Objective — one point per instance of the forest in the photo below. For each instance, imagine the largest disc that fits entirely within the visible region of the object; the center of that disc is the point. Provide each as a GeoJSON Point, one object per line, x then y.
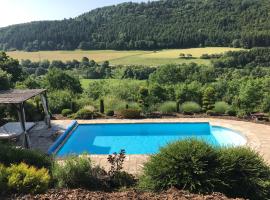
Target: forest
{"type": "Point", "coordinates": [153, 25]}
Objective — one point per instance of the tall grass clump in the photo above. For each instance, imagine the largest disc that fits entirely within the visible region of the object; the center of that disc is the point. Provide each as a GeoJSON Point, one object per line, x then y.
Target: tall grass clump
{"type": "Point", "coordinates": [221, 107]}
{"type": "Point", "coordinates": [167, 107]}
{"type": "Point", "coordinates": [189, 165]}
{"type": "Point", "coordinates": [77, 172]}
{"type": "Point", "coordinates": [200, 168]}
{"type": "Point", "coordinates": [245, 173]}
{"type": "Point", "coordinates": [190, 107]}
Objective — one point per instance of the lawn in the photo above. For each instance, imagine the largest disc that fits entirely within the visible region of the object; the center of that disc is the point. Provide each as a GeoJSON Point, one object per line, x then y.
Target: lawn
{"type": "Point", "coordinates": [150, 58]}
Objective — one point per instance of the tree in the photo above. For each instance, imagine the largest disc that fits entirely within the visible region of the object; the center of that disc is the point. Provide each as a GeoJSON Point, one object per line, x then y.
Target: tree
{"type": "Point", "coordinates": [10, 66]}
{"type": "Point", "coordinates": [4, 80]}
{"type": "Point", "coordinates": [57, 79]}
{"type": "Point", "coordinates": [208, 98]}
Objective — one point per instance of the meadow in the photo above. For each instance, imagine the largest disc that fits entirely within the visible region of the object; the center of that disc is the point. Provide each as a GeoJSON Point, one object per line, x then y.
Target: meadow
{"type": "Point", "coordinates": [149, 58]}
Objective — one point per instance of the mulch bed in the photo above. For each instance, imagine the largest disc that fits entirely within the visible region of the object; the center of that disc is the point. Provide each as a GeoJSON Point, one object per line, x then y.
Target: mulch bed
{"type": "Point", "coordinates": [80, 194]}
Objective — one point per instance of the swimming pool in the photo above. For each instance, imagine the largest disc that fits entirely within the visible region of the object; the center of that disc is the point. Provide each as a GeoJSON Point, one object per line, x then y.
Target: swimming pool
{"type": "Point", "coordinates": [138, 138]}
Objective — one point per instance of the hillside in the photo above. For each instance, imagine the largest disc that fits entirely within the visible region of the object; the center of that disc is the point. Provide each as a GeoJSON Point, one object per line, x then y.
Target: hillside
{"type": "Point", "coordinates": [154, 25]}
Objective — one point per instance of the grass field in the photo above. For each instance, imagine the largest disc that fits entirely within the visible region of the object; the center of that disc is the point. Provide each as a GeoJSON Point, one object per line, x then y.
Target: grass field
{"type": "Point", "coordinates": [152, 58]}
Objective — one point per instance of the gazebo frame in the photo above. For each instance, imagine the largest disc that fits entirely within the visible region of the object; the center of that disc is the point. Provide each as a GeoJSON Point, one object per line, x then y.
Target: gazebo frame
{"type": "Point", "coordinates": [18, 98]}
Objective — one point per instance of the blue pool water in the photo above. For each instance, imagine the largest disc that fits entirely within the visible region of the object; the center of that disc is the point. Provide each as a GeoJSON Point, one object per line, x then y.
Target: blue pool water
{"type": "Point", "coordinates": [142, 138]}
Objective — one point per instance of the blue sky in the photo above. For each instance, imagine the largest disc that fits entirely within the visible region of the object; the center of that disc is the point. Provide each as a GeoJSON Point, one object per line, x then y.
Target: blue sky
{"type": "Point", "coordinates": [20, 11]}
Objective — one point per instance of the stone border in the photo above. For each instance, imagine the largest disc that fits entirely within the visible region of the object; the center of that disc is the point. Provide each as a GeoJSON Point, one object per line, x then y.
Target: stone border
{"type": "Point", "coordinates": [257, 135]}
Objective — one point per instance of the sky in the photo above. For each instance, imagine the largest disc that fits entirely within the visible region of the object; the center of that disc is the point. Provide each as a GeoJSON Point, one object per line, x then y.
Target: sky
{"type": "Point", "coordinates": [21, 11]}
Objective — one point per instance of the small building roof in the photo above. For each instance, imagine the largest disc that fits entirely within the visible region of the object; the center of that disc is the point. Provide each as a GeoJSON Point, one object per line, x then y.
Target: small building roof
{"type": "Point", "coordinates": [18, 96]}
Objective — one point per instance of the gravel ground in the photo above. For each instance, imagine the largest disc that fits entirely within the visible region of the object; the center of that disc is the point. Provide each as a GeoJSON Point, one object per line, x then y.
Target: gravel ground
{"type": "Point", "coordinates": [80, 194]}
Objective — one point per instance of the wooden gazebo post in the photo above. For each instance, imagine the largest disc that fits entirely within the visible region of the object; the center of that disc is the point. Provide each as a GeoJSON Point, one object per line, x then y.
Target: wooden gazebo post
{"type": "Point", "coordinates": [44, 102]}
{"type": "Point", "coordinates": [21, 114]}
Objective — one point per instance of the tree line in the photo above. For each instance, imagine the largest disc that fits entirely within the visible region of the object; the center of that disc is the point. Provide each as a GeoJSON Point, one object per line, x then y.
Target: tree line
{"type": "Point", "coordinates": [152, 25]}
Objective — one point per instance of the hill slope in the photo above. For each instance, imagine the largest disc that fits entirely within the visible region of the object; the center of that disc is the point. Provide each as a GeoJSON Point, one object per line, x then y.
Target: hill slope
{"type": "Point", "coordinates": [160, 24]}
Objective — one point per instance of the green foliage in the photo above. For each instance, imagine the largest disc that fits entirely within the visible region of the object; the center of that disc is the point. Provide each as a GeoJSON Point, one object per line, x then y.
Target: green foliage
{"type": "Point", "coordinates": [127, 27]}
{"type": "Point", "coordinates": [110, 113]}
{"type": "Point", "coordinates": [12, 155]}
{"type": "Point", "coordinates": [78, 172]}
{"type": "Point", "coordinates": [221, 107]}
{"type": "Point", "coordinates": [245, 173]}
{"type": "Point", "coordinates": [189, 165]}
{"type": "Point", "coordinates": [66, 112]}
{"type": "Point", "coordinates": [59, 100]}
{"type": "Point", "coordinates": [198, 167]}
{"type": "Point", "coordinates": [208, 98]}
{"type": "Point", "coordinates": [84, 114]}
{"type": "Point", "coordinates": [167, 107]}
{"type": "Point", "coordinates": [4, 80]}
{"type": "Point", "coordinates": [57, 79]}
{"type": "Point", "coordinates": [130, 114]}
{"type": "Point", "coordinates": [11, 67]}
{"type": "Point", "coordinates": [25, 179]}
{"type": "Point", "coordinates": [190, 107]}
{"type": "Point", "coordinates": [122, 179]}
{"type": "Point", "coordinates": [3, 178]}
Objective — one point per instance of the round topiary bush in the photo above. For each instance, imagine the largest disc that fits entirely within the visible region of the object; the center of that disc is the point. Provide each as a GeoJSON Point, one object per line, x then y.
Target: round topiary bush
{"type": "Point", "coordinates": [221, 107]}
{"type": "Point", "coordinates": [245, 173]}
{"type": "Point", "coordinates": [168, 107]}
{"type": "Point", "coordinates": [66, 112]}
{"type": "Point", "coordinates": [187, 164]}
{"type": "Point", "coordinates": [84, 114]}
{"type": "Point", "coordinates": [130, 114]}
{"type": "Point", "coordinates": [190, 107]}
{"type": "Point", "coordinates": [110, 113]}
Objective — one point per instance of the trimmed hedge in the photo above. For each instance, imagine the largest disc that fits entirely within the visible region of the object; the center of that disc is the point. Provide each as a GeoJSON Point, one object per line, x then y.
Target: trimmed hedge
{"type": "Point", "coordinates": [168, 107]}
{"type": "Point", "coordinates": [221, 107]}
{"type": "Point", "coordinates": [66, 112]}
{"type": "Point", "coordinates": [84, 114]}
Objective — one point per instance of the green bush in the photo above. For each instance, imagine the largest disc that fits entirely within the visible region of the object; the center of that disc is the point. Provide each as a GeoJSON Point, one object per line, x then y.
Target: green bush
{"type": "Point", "coordinates": [130, 114]}
{"type": "Point", "coordinates": [12, 155]}
{"type": "Point", "coordinates": [3, 178]}
{"type": "Point", "coordinates": [78, 172]}
{"type": "Point", "coordinates": [110, 113]}
{"type": "Point", "coordinates": [211, 112]}
{"type": "Point", "coordinates": [60, 100]}
{"type": "Point", "coordinates": [66, 112]}
{"type": "Point", "coordinates": [245, 173]}
{"type": "Point", "coordinates": [84, 114]}
{"type": "Point", "coordinates": [190, 107]}
{"type": "Point", "coordinates": [189, 164]}
{"type": "Point", "coordinates": [25, 179]}
{"type": "Point", "coordinates": [122, 179]}
{"type": "Point", "coordinates": [231, 111]}
{"type": "Point", "coordinates": [221, 107]}
{"type": "Point", "coordinates": [167, 107]}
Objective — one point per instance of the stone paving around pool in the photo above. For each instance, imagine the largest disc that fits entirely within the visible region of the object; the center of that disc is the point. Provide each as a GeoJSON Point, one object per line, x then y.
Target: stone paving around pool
{"type": "Point", "coordinates": [258, 137]}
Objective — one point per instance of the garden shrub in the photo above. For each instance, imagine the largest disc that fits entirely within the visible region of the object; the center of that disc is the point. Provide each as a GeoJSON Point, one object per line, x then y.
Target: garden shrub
{"type": "Point", "coordinates": [12, 155]}
{"type": "Point", "coordinates": [190, 107]}
{"type": "Point", "coordinates": [245, 173]}
{"type": "Point", "coordinates": [130, 114]}
{"type": "Point", "coordinates": [211, 112]}
{"type": "Point", "coordinates": [78, 172]}
{"type": "Point", "coordinates": [25, 179]}
{"type": "Point", "coordinates": [84, 114]}
{"type": "Point", "coordinates": [221, 107]}
{"type": "Point", "coordinates": [231, 111]}
{"type": "Point", "coordinates": [60, 100]}
{"type": "Point", "coordinates": [187, 164]}
{"type": "Point", "coordinates": [167, 107]}
{"type": "Point", "coordinates": [3, 179]}
{"type": "Point", "coordinates": [66, 112]}
{"type": "Point", "coordinates": [122, 179]}
{"type": "Point", "coordinates": [110, 113]}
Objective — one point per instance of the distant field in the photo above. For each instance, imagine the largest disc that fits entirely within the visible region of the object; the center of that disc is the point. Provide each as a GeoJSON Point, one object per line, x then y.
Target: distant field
{"type": "Point", "coordinates": [153, 58]}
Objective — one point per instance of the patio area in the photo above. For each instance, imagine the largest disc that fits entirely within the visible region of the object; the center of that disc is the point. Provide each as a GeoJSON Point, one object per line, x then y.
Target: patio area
{"type": "Point", "coordinates": [258, 137]}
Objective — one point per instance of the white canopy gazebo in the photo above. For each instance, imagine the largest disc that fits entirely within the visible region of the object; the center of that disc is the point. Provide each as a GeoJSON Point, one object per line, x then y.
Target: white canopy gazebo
{"type": "Point", "coordinates": [18, 98]}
